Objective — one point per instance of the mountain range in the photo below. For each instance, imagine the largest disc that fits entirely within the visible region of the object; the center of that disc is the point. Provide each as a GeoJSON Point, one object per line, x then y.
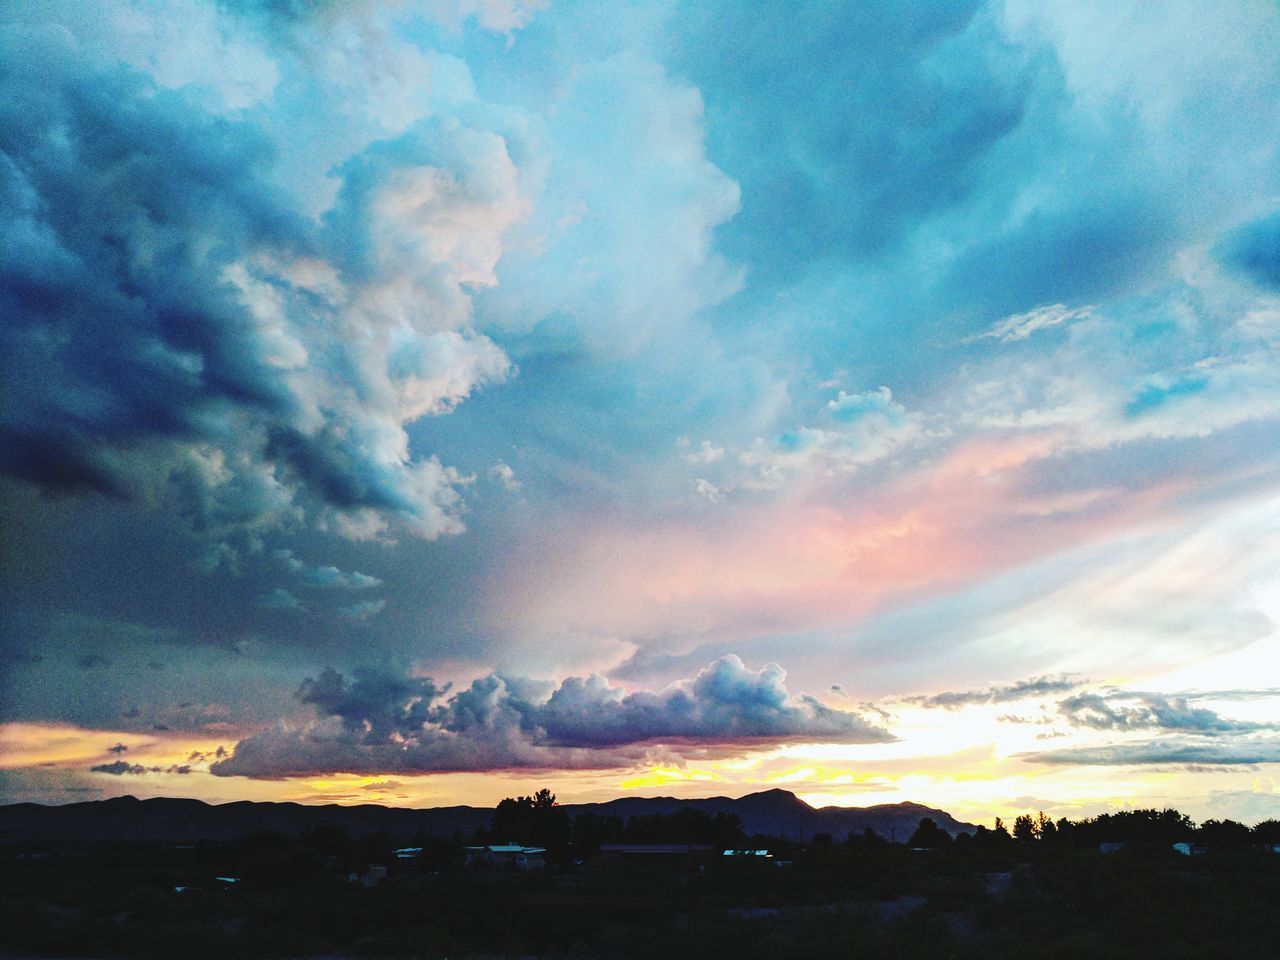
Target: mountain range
{"type": "Point", "coordinates": [162, 819]}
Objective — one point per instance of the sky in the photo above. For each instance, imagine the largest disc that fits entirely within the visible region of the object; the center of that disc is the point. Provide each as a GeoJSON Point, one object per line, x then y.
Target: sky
{"type": "Point", "coordinates": [424, 402]}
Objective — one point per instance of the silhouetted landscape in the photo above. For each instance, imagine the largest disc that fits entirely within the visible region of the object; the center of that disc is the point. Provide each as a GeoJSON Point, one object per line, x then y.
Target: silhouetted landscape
{"type": "Point", "coordinates": [765, 875]}
{"type": "Point", "coordinates": [773, 812]}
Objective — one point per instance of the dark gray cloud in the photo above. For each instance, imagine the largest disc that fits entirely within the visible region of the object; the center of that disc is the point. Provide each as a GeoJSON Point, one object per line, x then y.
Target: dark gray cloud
{"type": "Point", "coordinates": [1124, 710]}
{"type": "Point", "coordinates": [377, 702]}
{"type": "Point", "coordinates": [1238, 752]}
{"type": "Point", "coordinates": [121, 768]}
{"type": "Point", "coordinates": [178, 332]}
{"type": "Point", "coordinates": [122, 202]}
{"type": "Point", "coordinates": [725, 702]}
{"type": "Point", "coordinates": [997, 693]}
{"type": "Point", "coordinates": [384, 720]}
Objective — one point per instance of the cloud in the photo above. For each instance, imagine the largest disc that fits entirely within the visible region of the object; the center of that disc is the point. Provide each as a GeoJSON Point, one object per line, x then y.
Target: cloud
{"type": "Point", "coordinates": [364, 610]}
{"type": "Point", "coordinates": [118, 748]}
{"type": "Point", "coordinates": [377, 700]}
{"type": "Point", "coordinates": [259, 367]}
{"type": "Point", "coordinates": [705, 452]}
{"type": "Point", "coordinates": [1165, 751]}
{"type": "Point", "coordinates": [725, 702]}
{"type": "Point", "coordinates": [864, 428]}
{"type": "Point", "coordinates": [121, 768]}
{"type": "Point", "coordinates": [1124, 710]}
{"type": "Point", "coordinates": [505, 476]}
{"type": "Point", "coordinates": [326, 577]}
{"type": "Point", "coordinates": [705, 488]}
{"type": "Point", "coordinates": [383, 720]}
{"type": "Point", "coordinates": [997, 693]}
{"type": "Point", "coordinates": [502, 16]}
{"type": "Point", "coordinates": [1022, 325]}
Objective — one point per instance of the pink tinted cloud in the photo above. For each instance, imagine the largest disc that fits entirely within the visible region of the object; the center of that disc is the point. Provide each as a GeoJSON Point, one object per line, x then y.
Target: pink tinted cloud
{"type": "Point", "coordinates": [833, 556]}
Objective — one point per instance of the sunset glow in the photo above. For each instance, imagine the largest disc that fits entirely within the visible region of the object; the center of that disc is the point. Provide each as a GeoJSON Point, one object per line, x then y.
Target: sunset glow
{"type": "Point", "coordinates": [421, 403]}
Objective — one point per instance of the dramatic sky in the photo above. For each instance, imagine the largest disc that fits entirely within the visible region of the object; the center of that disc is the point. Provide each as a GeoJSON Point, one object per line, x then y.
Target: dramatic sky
{"type": "Point", "coordinates": [421, 402]}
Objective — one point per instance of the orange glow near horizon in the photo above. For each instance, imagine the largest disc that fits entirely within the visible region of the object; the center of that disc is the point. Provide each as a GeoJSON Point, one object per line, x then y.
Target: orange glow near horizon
{"type": "Point", "coordinates": [951, 767]}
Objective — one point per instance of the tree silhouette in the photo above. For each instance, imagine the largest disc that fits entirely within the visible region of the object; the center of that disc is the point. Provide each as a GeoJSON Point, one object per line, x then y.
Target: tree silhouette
{"type": "Point", "coordinates": [536, 820]}
{"type": "Point", "coordinates": [1024, 828]}
{"type": "Point", "coordinates": [929, 834]}
{"type": "Point", "coordinates": [1268, 832]}
{"type": "Point", "coordinates": [1224, 833]}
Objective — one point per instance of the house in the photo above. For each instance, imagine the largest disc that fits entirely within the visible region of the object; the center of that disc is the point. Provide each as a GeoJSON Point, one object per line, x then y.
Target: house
{"type": "Point", "coordinates": [407, 853]}
{"type": "Point", "coordinates": [1111, 847]}
{"type": "Point", "coordinates": [1189, 849]}
{"type": "Point", "coordinates": [509, 855]}
{"type": "Point", "coordinates": [374, 875]}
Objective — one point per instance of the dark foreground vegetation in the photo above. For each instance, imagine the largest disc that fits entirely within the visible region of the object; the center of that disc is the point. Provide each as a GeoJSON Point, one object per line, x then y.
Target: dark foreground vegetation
{"type": "Point", "coordinates": [1049, 891]}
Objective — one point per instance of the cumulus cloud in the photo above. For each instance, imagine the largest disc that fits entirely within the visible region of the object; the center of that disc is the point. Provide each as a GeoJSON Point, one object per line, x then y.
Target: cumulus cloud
{"type": "Point", "coordinates": [382, 720]}
{"type": "Point", "coordinates": [863, 428]}
{"type": "Point", "coordinates": [704, 452]}
{"type": "Point", "coordinates": [259, 367]}
{"type": "Point", "coordinates": [502, 473]}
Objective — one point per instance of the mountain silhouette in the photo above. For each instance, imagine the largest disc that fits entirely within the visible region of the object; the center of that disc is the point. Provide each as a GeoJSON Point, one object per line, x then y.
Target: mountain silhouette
{"type": "Point", "coordinates": [773, 812]}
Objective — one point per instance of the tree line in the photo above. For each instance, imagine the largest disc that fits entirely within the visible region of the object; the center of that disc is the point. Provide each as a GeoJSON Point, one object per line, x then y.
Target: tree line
{"type": "Point", "coordinates": [1148, 826]}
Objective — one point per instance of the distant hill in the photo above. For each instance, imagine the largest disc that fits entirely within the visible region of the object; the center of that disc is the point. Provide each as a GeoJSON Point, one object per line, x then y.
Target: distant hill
{"type": "Point", "coordinates": [775, 812]}
{"type": "Point", "coordinates": [782, 813]}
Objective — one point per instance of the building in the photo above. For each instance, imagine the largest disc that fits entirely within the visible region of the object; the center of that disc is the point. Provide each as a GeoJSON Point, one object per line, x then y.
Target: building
{"type": "Point", "coordinates": [513, 856]}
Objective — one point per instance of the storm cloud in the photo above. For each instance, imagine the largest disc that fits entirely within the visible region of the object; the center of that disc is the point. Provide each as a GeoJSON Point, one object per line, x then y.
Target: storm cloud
{"type": "Point", "coordinates": [181, 333]}
{"type": "Point", "coordinates": [387, 720]}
